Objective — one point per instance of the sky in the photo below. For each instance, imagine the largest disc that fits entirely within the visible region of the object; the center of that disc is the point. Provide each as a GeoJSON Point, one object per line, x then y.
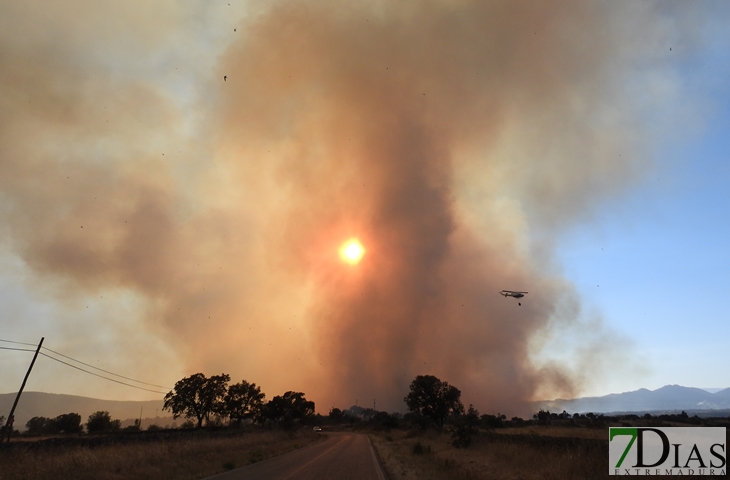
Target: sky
{"type": "Point", "coordinates": [177, 181]}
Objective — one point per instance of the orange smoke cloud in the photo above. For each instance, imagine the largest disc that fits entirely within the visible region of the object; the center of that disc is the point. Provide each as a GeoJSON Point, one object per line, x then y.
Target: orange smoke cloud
{"type": "Point", "coordinates": [447, 136]}
{"type": "Point", "coordinates": [394, 119]}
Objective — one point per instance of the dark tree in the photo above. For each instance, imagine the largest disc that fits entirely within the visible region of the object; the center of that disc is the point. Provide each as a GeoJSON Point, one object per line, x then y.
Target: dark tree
{"type": "Point", "coordinates": [384, 420]}
{"type": "Point", "coordinates": [197, 397]}
{"type": "Point", "coordinates": [335, 415]}
{"type": "Point", "coordinates": [287, 408]}
{"type": "Point", "coordinates": [432, 398]}
{"type": "Point", "coordinates": [38, 425]}
{"type": "Point", "coordinates": [466, 428]}
{"type": "Point", "coordinates": [493, 421]}
{"type": "Point", "coordinates": [542, 416]}
{"type": "Point", "coordinates": [102, 422]}
{"type": "Point", "coordinates": [69, 423]}
{"type": "Point", "coordinates": [243, 400]}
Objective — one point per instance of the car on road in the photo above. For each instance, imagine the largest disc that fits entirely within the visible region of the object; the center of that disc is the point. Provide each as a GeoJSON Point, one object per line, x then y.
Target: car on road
{"type": "Point", "coordinates": [317, 429]}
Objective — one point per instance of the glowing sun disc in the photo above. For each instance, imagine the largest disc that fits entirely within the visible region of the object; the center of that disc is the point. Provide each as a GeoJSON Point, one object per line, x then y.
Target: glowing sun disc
{"type": "Point", "coordinates": [352, 251]}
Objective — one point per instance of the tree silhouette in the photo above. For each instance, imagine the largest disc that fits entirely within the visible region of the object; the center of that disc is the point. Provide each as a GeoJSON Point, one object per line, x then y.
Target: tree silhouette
{"type": "Point", "coordinates": [197, 397]}
{"type": "Point", "coordinates": [335, 415]}
{"type": "Point", "coordinates": [287, 408]}
{"type": "Point", "coordinates": [68, 423]}
{"type": "Point", "coordinates": [432, 398]}
{"type": "Point", "coordinates": [101, 421]}
{"type": "Point", "coordinates": [38, 425]}
{"type": "Point", "coordinates": [243, 400]}
{"type": "Point", "coordinates": [466, 428]}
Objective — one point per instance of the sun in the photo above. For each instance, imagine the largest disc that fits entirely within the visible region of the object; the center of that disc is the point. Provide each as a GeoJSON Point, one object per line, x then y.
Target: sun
{"type": "Point", "coordinates": [352, 251]}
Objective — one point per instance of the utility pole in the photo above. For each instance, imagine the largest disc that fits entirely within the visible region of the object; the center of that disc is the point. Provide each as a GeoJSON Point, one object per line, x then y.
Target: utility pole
{"type": "Point", "coordinates": [11, 418]}
{"type": "Point", "coordinates": [374, 405]}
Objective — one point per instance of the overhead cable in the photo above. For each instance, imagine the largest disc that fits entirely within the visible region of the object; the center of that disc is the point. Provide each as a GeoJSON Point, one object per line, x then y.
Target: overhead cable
{"type": "Point", "coordinates": [17, 349]}
{"type": "Point", "coordinates": [86, 364]}
{"type": "Point", "coordinates": [105, 371]}
{"type": "Point", "coordinates": [100, 376]}
{"type": "Point", "coordinates": [18, 343]}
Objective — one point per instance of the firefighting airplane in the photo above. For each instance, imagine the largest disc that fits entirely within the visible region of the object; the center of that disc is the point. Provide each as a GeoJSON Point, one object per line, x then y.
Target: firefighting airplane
{"type": "Point", "coordinates": [510, 293]}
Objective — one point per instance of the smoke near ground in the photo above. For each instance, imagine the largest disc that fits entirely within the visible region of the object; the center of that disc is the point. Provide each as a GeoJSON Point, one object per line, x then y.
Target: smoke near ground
{"type": "Point", "coordinates": [453, 139]}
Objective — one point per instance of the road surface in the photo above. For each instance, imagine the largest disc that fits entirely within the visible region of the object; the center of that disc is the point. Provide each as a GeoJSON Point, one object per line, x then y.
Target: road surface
{"type": "Point", "coordinates": [342, 456]}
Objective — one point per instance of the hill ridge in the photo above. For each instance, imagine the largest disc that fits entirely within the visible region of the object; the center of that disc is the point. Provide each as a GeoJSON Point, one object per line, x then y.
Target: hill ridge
{"type": "Point", "coordinates": [668, 397]}
{"type": "Point", "coordinates": [42, 404]}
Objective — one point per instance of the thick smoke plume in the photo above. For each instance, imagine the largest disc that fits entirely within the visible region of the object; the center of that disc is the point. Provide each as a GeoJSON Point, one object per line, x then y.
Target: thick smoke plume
{"type": "Point", "coordinates": [453, 139]}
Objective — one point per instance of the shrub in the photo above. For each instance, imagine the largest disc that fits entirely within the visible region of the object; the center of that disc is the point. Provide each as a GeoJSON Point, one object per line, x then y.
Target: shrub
{"type": "Point", "coordinates": [421, 449]}
{"type": "Point", "coordinates": [255, 456]}
{"type": "Point", "coordinates": [101, 421]}
{"type": "Point", "coordinates": [69, 423]}
{"type": "Point", "coordinates": [39, 425]}
{"type": "Point", "coordinates": [466, 427]}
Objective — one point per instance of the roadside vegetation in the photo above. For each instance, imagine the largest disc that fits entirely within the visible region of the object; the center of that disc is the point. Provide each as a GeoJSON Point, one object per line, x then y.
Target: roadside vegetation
{"type": "Point", "coordinates": [440, 439]}
{"type": "Point", "coordinates": [162, 455]}
{"type": "Point", "coordinates": [560, 446]}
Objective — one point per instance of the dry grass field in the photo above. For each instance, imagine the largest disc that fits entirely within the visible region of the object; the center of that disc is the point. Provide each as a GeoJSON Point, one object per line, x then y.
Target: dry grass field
{"type": "Point", "coordinates": [510, 453]}
{"type": "Point", "coordinates": [556, 431]}
{"type": "Point", "coordinates": [525, 453]}
{"type": "Point", "coordinates": [191, 457]}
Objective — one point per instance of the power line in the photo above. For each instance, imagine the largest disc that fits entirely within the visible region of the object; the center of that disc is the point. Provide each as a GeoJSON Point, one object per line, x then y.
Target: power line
{"type": "Point", "coordinates": [86, 364]}
{"type": "Point", "coordinates": [100, 376]}
{"type": "Point", "coordinates": [18, 343]}
{"type": "Point", "coordinates": [105, 371]}
{"type": "Point", "coordinates": [17, 349]}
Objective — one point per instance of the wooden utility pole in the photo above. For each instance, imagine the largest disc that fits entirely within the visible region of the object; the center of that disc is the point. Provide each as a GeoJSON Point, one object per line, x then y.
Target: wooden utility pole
{"type": "Point", "coordinates": [11, 418]}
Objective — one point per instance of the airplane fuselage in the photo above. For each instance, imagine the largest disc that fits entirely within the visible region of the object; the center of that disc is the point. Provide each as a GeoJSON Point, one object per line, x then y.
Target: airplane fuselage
{"type": "Point", "coordinates": [511, 293]}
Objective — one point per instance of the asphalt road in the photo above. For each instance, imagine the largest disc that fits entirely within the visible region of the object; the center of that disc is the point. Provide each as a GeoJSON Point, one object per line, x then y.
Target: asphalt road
{"type": "Point", "coordinates": [342, 456]}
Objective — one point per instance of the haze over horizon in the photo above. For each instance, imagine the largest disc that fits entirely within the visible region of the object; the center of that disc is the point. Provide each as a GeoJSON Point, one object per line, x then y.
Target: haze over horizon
{"type": "Point", "coordinates": [178, 184]}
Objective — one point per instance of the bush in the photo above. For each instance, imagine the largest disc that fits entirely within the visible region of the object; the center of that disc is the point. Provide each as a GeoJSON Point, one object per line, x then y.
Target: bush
{"type": "Point", "coordinates": [466, 427]}
{"type": "Point", "coordinates": [417, 420]}
{"type": "Point", "coordinates": [421, 449]}
{"type": "Point", "coordinates": [493, 421]}
{"type": "Point", "coordinates": [134, 428]}
{"type": "Point", "coordinates": [462, 436]}
{"type": "Point", "coordinates": [40, 425]}
{"type": "Point", "coordinates": [101, 422]}
{"type": "Point", "coordinates": [69, 423]}
{"type": "Point", "coordinates": [255, 456]}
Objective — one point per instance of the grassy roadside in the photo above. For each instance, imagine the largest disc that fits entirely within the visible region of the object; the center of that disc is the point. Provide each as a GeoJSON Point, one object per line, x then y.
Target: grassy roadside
{"type": "Point", "coordinates": [527, 454]}
{"type": "Point", "coordinates": [190, 457]}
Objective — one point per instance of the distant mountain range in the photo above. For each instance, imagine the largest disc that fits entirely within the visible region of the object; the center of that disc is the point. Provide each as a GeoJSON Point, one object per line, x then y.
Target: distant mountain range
{"type": "Point", "coordinates": [669, 398]}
